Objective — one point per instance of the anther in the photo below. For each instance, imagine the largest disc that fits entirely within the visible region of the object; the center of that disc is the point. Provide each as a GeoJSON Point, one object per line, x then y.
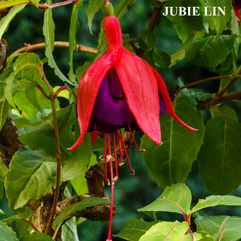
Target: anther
{"type": "Point", "coordinates": [141, 150]}
{"type": "Point", "coordinates": [133, 172]}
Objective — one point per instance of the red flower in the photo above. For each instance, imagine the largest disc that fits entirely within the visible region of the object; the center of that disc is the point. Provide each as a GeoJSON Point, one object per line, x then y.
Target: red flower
{"type": "Point", "coordinates": [140, 82]}
{"type": "Point", "coordinates": [120, 90]}
{"type": "Point", "coordinates": [237, 6]}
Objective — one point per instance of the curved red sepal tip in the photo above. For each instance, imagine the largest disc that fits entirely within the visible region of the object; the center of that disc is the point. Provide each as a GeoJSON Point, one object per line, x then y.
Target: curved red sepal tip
{"type": "Point", "coordinates": [141, 92]}
{"type": "Point", "coordinates": [87, 92]}
{"type": "Point", "coordinates": [168, 103]}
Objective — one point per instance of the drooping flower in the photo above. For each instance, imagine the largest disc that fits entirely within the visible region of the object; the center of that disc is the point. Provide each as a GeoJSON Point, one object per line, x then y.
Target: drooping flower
{"type": "Point", "coordinates": [237, 7]}
{"type": "Point", "coordinates": [120, 90]}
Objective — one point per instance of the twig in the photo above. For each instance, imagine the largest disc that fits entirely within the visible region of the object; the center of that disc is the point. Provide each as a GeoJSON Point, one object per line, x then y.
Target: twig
{"type": "Point", "coordinates": [61, 88]}
{"type": "Point", "coordinates": [31, 224]}
{"type": "Point", "coordinates": [235, 77]}
{"type": "Point", "coordinates": [154, 17]}
{"type": "Point", "coordinates": [42, 91]}
{"type": "Point", "coordinates": [59, 44]}
{"type": "Point", "coordinates": [201, 81]}
{"type": "Point", "coordinates": [45, 6]}
{"type": "Point", "coordinates": [212, 102]}
{"type": "Point", "coordinates": [57, 151]}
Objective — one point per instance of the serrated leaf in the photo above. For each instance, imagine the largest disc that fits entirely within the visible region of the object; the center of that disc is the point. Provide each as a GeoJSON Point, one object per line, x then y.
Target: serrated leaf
{"type": "Point", "coordinates": [221, 228]}
{"type": "Point", "coordinates": [206, 51]}
{"type": "Point", "coordinates": [171, 162]}
{"type": "Point", "coordinates": [74, 24]}
{"type": "Point", "coordinates": [168, 231]}
{"type": "Point", "coordinates": [176, 199]}
{"type": "Point", "coordinates": [93, 7]}
{"type": "Point", "coordinates": [7, 233]}
{"type": "Point", "coordinates": [217, 200]}
{"type": "Point", "coordinates": [37, 237]}
{"type": "Point", "coordinates": [219, 157]}
{"type": "Point", "coordinates": [31, 174]}
{"type": "Point", "coordinates": [5, 21]}
{"type": "Point", "coordinates": [217, 22]}
{"type": "Point", "coordinates": [134, 229]}
{"type": "Point", "coordinates": [48, 31]}
{"type": "Point", "coordinates": [79, 206]}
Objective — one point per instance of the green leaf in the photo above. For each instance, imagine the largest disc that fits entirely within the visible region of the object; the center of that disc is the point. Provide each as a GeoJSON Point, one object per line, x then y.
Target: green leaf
{"type": "Point", "coordinates": [4, 110]}
{"type": "Point", "coordinates": [134, 229]}
{"type": "Point", "coordinates": [220, 154]}
{"type": "Point", "coordinates": [48, 31]}
{"type": "Point", "coordinates": [217, 200]}
{"type": "Point", "coordinates": [77, 164]}
{"type": "Point", "coordinates": [176, 199]}
{"type": "Point", "coordinates": [221, 228]}
{"type": "Point", "coordinates": [186, 26]}
{"type": "Point", "coordinates": [7, 233]}
{"type": "Point", "coordinates": [37, 237]}
{"type": "Point", "coordinates": [20, 86]}
{"type": "Point", "coordinates": [217, 22]}
{"type": "Point", "coordinates": [122, 7]}
{"type": "Point", "coordinates": [74, 24]}
{"type": "Point", "coordinates": [171, 162]}
{"type": "Point", "coordinates": [41, 135]}
{"type": "Point", "coordinates": [161, 59]}
{"type": "Point", "coordinates": [31, 174]}
{"type": "Point", "coordinates": [93, 7]}
{"type": "Point", "coordinates": [168, 231]}
{"type": "Point", "coordinates": [5, 21]}
{"type": "Point", "coordinates": [79, 206]}
{"type": "Point", "coordinates": [211, 51]}
{"type": "Point", "coordinates": [69, 231]}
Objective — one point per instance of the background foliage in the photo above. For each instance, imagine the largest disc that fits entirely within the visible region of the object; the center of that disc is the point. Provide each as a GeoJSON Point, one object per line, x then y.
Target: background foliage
{"type": "Point", "coordinates": [199, 58]}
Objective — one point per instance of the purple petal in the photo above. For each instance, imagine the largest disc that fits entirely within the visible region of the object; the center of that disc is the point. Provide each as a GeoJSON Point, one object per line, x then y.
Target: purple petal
{"type": "Point", "coordinates": [111, 110]}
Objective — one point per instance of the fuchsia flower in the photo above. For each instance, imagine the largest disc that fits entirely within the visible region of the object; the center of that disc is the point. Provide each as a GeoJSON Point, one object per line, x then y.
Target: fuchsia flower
{"type": "Point", "coordinates": [120, 90]}
{"type": "Point", "coordinates": [237, 6]}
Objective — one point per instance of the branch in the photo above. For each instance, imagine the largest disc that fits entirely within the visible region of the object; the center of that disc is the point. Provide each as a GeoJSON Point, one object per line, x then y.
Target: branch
{"type": "Point", "coordinates": [234, 78]}
{"type": "Point", "coordinates": [201, 81]}
{"type": "Point", "coordinates": [214, 101]}
{"type": "Point", "coordinates": [154, 17]}
{"type": "Point", "coordinates": [45, 6]}
{"type": "Point", "coordinates": [58, 155]}
{"type": "Point", "coordinates": [58, 44]}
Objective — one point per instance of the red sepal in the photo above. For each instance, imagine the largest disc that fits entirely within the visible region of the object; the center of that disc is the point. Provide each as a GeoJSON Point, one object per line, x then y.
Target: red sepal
{"type": "Point", "coordinates": [236, 9]}
{"type": "Point", "coordinates": [141, 92]}
{"type": "Point", "coordinates": [88, 90]}
{"type": "Point", "coordinates": [167, 100]}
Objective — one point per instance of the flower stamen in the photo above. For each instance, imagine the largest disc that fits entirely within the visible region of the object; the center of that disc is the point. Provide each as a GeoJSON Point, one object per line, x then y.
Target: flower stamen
{"type": "Point", "coordinates": [122, 143]}
{"type": "Point", "coordinates": [112, 183]}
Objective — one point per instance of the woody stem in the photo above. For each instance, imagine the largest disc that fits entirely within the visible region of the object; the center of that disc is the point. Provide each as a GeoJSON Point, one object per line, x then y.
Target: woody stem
{"type": "Point", "coordinates": [52, 97]}
{"type": "Point", "coordinates": [58, 44]}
